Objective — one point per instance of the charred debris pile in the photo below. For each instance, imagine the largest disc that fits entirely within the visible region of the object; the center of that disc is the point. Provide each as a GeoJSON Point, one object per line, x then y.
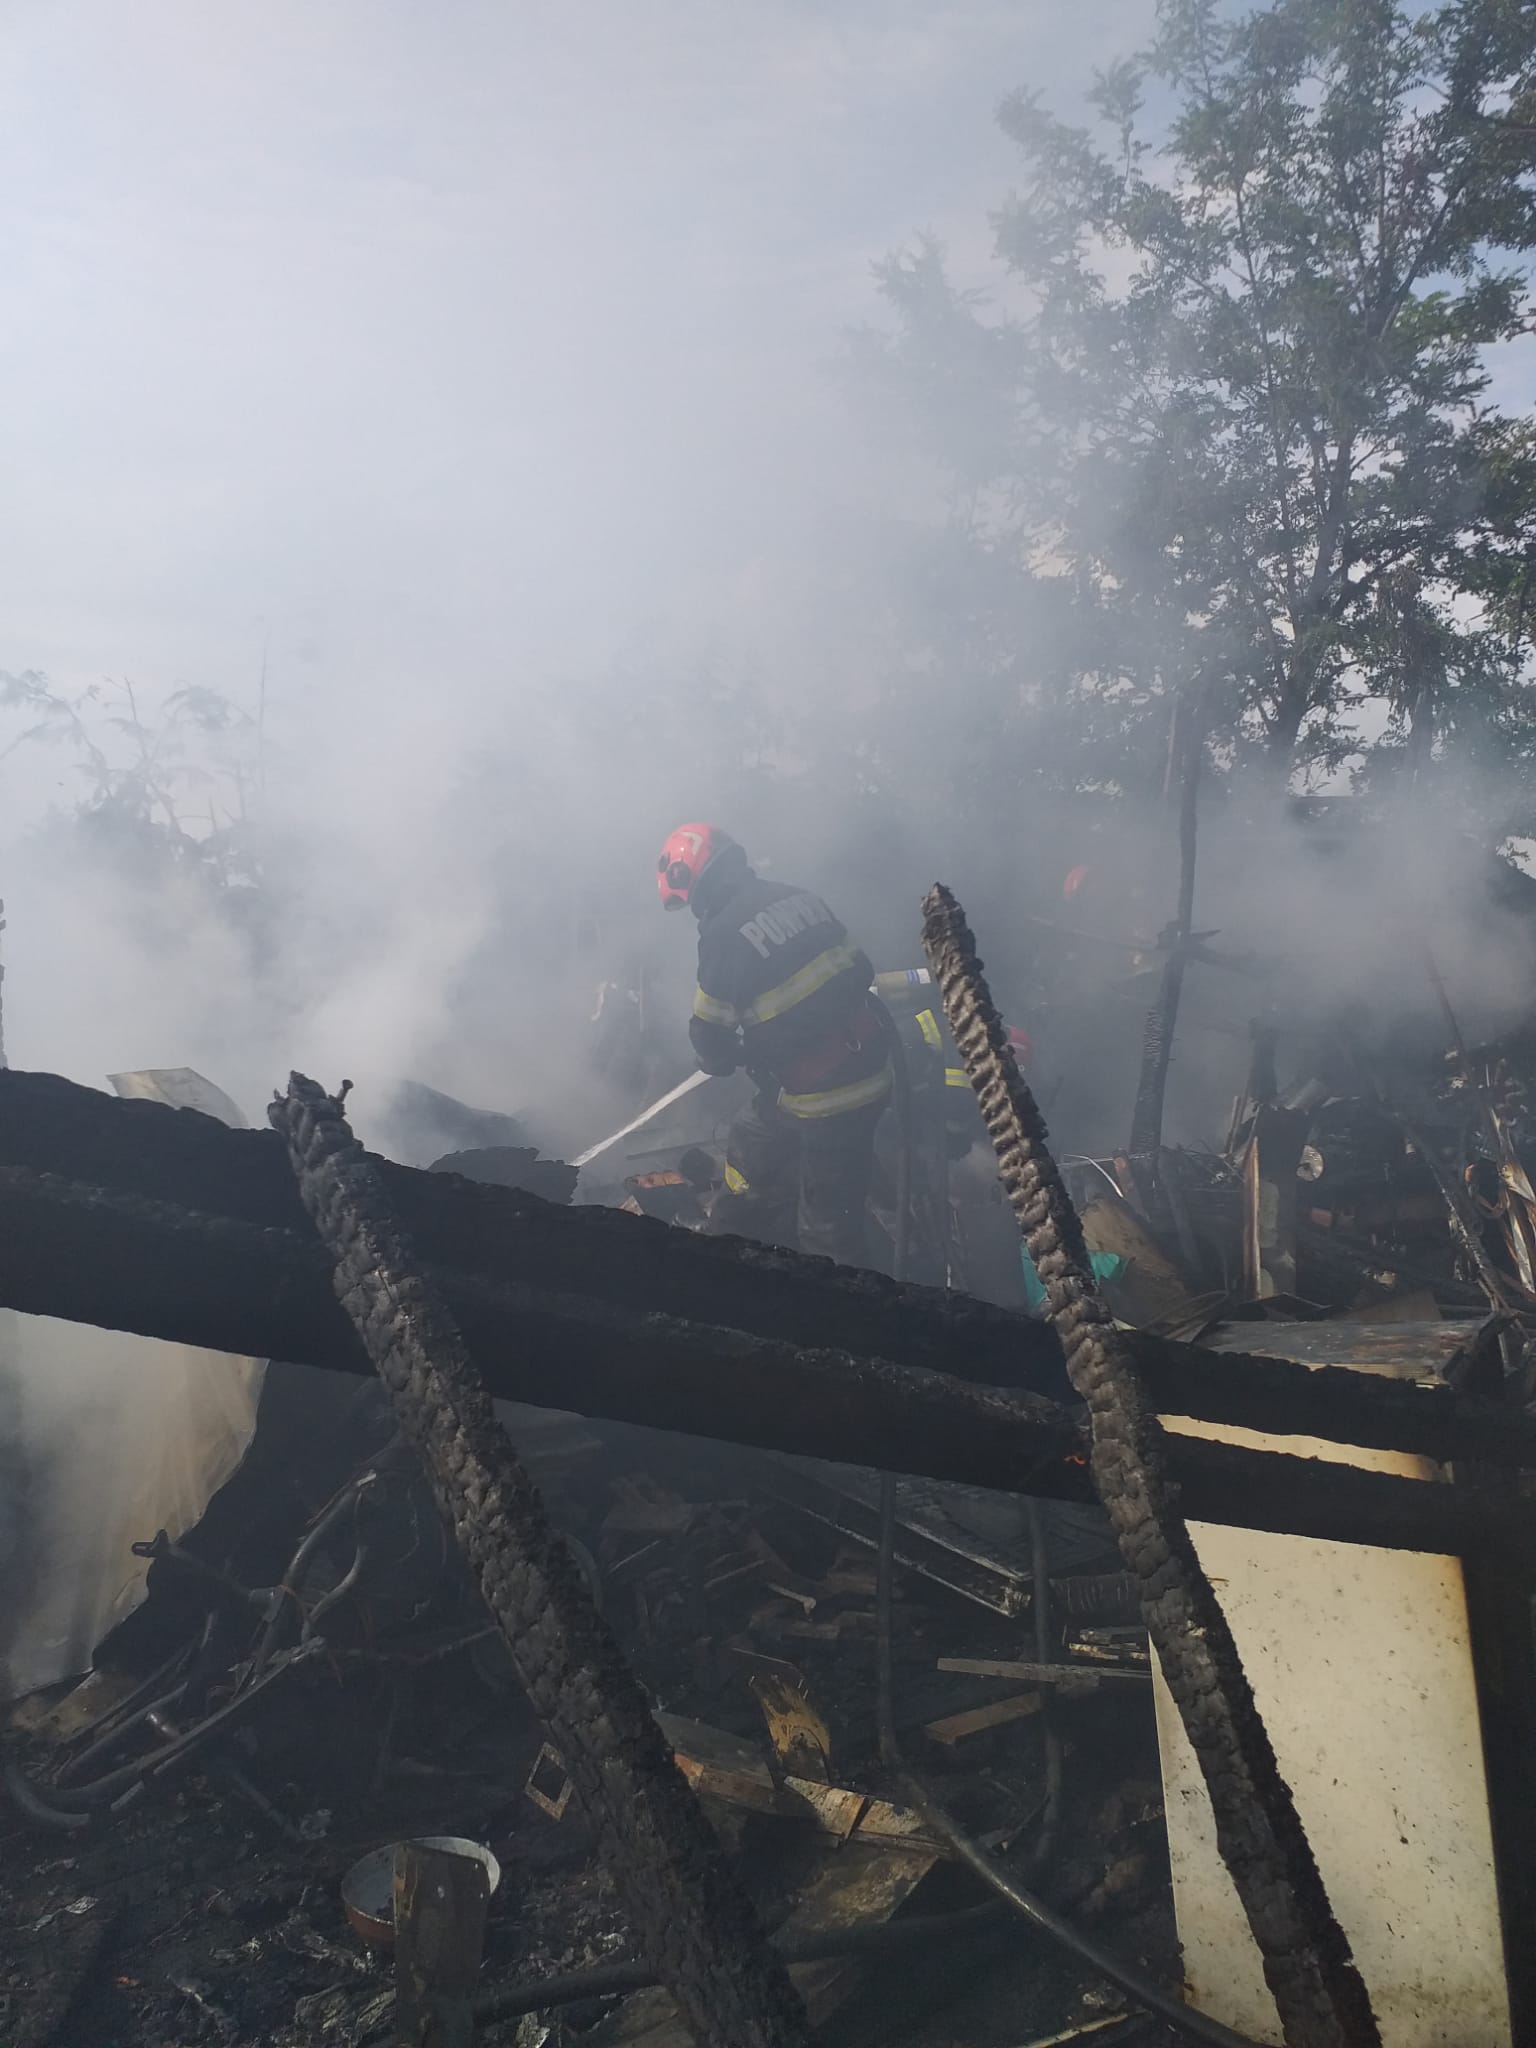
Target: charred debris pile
{"type": "Point", "coordinates": [785, 1634]}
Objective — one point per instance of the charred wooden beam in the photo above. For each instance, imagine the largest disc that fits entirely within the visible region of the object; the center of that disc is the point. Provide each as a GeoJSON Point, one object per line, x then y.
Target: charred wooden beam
{"type": "Point", "coordinates": [1318, 1991]}
{"type": "Point", "coordinates": [680, 1893]}
{"type": "Point", "coordinates": [125, 1263]}
{"type": "Point", "coordinates": [1336, 1403]}
{"type": "Point", "coordinates": [129, 1264]}
{"type": "Point", "coordinates": [52, 1126]}
{"type": "Point", "coordinates": [197, 1177]}
{"type": "Point", "coordinates": [208, 1282]}
{"type": "Point", "coordinates": [440, 1902]}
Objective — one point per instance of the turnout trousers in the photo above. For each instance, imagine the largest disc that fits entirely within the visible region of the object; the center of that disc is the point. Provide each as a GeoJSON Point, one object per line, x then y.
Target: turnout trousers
{"type": "Point", "coordinates": [800, 1180]}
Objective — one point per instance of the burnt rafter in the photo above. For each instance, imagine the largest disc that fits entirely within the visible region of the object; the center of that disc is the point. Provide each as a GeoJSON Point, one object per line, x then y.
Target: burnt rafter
{"type": "Point", "coordinates": [144, 1149]}
{"type": "Point", "coordinates": [681, 1894]}
{"type": "Point", "coordinates": [138, 1217]}
{"type": "Point", "coordinates": [203, 1175]}
{"type": "Point", "coordinates": [1320, 1995]}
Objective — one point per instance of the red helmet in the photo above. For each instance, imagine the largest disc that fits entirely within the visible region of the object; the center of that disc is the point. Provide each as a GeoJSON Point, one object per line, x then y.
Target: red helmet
{"type": "Point", "coordinates": [1074, 881]}
{"type": "Point", "coordinates": [688, 852]}
{"type": "Point", "coordinates": [1023, 1045]}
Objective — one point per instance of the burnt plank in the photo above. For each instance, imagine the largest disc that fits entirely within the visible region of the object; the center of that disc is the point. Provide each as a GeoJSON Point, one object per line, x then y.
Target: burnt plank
{"type": "Point", "coordinates": [440, 1902]}
{"type": "Point", "coordinates": [191, 1164]}
{"type": "Point", "coordinates": [209, 1282]}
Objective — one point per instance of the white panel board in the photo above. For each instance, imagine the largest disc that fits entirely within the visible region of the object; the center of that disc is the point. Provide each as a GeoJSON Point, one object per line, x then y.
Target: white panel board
{"type": "Point", "coordinates": [112, 1437]}
{"type": "Point", "coordinates": [1361, 1663]}
{"type": "Point", "coordinates": [105, 1438]}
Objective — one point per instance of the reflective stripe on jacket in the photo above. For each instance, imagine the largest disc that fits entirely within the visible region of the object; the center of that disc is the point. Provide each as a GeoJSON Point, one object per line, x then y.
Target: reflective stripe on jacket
{"type": "Point", "coordinates": [779, 969]}
{"type": "Point", "coordinates": [839, 1101]}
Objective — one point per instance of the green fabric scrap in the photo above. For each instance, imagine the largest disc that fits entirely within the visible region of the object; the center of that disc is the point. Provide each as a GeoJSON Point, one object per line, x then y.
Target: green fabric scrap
{"type": "Point", "coordinates": [1106, 1266]}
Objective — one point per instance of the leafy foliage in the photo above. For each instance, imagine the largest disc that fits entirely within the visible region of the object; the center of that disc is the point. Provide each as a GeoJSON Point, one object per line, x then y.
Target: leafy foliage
{"type": "Point", "coordinates": [1239, 439]}
{"type": "Point", "coordinates": [175, 795]}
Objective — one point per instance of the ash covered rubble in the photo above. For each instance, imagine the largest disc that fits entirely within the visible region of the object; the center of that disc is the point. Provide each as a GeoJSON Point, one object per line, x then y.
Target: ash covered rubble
{"type": "Point", "coordinates": [208, 1905]}
{"type": "Point", "coordinates": [316, 1672]}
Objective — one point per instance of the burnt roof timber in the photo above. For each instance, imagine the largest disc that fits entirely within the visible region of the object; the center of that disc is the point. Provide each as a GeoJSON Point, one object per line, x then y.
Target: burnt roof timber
{"type": "Point", "coordinates": [173, 1181]}
{"type": "Point", "coordinates": [124, 1262]}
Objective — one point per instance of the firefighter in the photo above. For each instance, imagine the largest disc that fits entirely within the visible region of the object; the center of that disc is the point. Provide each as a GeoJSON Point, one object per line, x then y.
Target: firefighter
{"type": "Point", "coordinates": [783, 993]}
{"type": "Point", "coordinates": [952, 1158]}
{"type": "Point", "coordinates": [933, 1063]}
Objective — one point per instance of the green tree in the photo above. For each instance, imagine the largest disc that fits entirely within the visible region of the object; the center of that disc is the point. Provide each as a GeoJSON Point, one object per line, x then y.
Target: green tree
{"type": "Point", "coordinates": [169, 799]}
{"type": "Point", "coordinates": [174, 792]}
{"type": "Point", "coordinates": [1238, 440]}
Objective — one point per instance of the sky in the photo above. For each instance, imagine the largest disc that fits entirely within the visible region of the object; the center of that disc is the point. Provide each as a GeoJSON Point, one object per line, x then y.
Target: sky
{"type": "Point", "coordinates": [412, 339]}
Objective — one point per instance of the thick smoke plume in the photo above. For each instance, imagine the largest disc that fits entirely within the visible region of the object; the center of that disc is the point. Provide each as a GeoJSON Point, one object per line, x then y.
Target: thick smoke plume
{"type": "Point", "coordinates": [451, 414]}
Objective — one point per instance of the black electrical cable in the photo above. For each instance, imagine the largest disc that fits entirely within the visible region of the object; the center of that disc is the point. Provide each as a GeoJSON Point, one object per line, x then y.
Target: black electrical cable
{"type": "Point", "coordinates": [1187, 2019]}
{"type": "Point", "coordinates": [611, 1980]}
{"type": "Point", "coordinates": [28, 1800]}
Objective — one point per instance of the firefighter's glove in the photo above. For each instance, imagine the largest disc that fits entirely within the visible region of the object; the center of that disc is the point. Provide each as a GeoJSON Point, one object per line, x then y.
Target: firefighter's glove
{"type": "Point", "coordinates": [719, 1062]}
{"type": "Point", "coordinates": [717, 1050]}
